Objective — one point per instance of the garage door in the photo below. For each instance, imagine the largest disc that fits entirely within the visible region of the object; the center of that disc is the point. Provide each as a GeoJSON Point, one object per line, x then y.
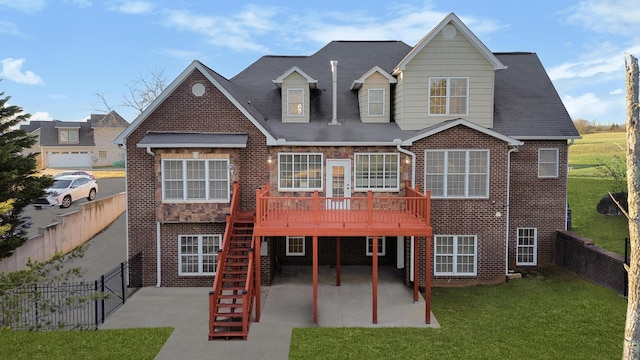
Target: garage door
{"type": "Point", "coordinates": [69, 159]}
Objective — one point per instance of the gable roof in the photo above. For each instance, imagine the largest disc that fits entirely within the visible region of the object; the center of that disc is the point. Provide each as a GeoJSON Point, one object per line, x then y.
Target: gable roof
{"type": "Point", "coordinates": [357, 84]}
{"type": "Point", "coordinates": [313, 83]}
{"type": "Point", "coordinates": [112, 119]}
{"type": "Point", "coordinates": [445, 125]}
{"type": "Point", "coordinates": [226, 88]}
{"type": "Point", "coordinates": [471, 37]}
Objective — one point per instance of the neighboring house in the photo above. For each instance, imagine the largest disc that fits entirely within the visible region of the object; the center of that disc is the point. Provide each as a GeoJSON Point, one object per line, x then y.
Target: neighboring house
{"type": "Point", "coordinates": [73, 144]}
{"type": "Point", "coordinates": [485, 133]}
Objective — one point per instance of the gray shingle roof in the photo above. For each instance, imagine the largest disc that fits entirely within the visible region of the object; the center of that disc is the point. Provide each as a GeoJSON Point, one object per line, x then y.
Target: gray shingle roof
{"type": "Point", "coordinates": [182, 140]}
{"type": "Point", "coordinates": [49, 132]}
{"type": "Point", "coordinates": [526, 103]}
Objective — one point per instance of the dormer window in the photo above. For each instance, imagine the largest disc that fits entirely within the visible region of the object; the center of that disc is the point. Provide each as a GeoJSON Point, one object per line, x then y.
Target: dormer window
{"type": "Point", "coordinates": [376, 102]}
{"type": "Point", "coordinates": [448, 96]}
{"type": "Point", "coordinates": [68, 135]}
{"type": "Point", "coordinates": [295, 102]}
{"type": "Point", "coordinates": [296, 88]}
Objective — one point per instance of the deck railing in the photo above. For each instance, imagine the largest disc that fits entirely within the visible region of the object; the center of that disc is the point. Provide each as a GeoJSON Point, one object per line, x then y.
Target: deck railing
{"type": "Point", "coordinates": [369, 210]}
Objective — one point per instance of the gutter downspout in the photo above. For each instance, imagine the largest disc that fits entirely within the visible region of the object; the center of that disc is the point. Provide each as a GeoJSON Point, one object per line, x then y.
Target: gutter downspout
{"type": "Point", "coordinates": [413, 185]}
{"type": "Point", "coordinates": [158, 257]}
{"type": "Point", "coordinates": [150, 152]}
{"type": "Point", "coordinates": [413, 164]}
{"type": "Point", "coordinates": [506, 251]}
{"type": "Point", "coordinates": [566, 186]}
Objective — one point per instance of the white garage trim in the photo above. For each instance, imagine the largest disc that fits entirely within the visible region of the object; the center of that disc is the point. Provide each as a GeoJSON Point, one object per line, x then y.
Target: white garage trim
{"type": "Point", "coordinates": [69, 159]}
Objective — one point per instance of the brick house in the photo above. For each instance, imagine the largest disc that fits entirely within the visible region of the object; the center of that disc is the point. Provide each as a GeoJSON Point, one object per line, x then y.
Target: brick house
{"type": "Point", "coordinates": [484, 135]}
{"type": "Point", "coordinates": [74, 144]}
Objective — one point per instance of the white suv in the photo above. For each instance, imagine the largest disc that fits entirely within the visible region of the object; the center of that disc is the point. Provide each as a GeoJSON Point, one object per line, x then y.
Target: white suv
{"type": "Point", "coordinates": [67, 189]}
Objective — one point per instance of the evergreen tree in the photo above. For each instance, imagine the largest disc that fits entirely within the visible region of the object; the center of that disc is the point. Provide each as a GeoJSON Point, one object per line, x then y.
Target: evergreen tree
{"type": "Point", "coordinates": [19, 178]}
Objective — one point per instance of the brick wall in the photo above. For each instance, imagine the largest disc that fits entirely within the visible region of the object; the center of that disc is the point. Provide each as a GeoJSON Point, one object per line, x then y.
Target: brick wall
{"type": "Point", "coordinates": [352, 251]}
{"type": "Point", "coordinates": [182, 111]}
{"type": "Point", "coordinates": [579, 256]}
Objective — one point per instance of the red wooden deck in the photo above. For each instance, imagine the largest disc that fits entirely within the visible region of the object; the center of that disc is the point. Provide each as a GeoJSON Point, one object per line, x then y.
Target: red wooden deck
{"type": "Point", "coordinates": [368, 215]}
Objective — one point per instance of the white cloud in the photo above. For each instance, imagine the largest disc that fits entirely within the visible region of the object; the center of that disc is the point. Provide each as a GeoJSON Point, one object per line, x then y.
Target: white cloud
{"type": "Point", "coordinates": [234, 32]}
{"type": "Point", "coordinates": [134, 7]}
{"type": "Point", "coordinates": [617, 92]}
{"type": "Point", "coordinates": [41, 115]}
{"type": "Point", "coordinates": [589, 106]}
{"type": "Point", "coordinates": [24, 5]}
{"type": "Point", "coordinates": [12, 70]}
{"type": "Point", "coordinates": [616, 17]}
{"type": "Point", "coordinates": [8, 27]}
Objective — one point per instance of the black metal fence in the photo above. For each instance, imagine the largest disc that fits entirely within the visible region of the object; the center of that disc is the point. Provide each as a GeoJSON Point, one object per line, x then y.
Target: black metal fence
{"type": "Point", "coordinates": [71, 306]}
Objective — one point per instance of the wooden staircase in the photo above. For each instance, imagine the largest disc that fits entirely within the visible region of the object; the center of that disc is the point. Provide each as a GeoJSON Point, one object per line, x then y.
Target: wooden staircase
{"type": "Point", "coordinates": [231, 301]}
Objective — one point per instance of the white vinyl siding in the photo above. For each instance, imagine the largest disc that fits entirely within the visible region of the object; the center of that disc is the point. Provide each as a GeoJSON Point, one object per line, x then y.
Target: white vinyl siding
{"type": "Point", "coordinates": [455, 255]}
{"type": "Point", "coordinates": [295, 245]}
{"type": "Point", "coordinates": [300, 171]}
{"type": "Point", "coordinates": [195, 180]}
{"type": "Point", "coordinates": [442, 58]}
{"type": "Point", "coordinates": [198, 254]}
{"type": "Point", "coordinates": [377, 171]}
{"type": "Point", "coordinates": [382, 246]}
{"type": "Point", "coordinates": [457, 173]}
{"type": "Point", "coordinates": [548, 163]}
{"type": "Point", "coordinates": [527, 247]}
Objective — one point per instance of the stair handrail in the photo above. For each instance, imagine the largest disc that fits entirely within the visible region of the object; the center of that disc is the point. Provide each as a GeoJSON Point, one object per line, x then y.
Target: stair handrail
{"type": "Point", "coordinates": [249, 288]}
{"type": "Point", "coordinates": [216, 291]}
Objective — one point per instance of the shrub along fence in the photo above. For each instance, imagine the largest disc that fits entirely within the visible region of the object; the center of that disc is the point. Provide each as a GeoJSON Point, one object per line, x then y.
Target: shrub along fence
{"type": "Point", "coordinates": [580, 256]}
{"type": "Point", "coordinates": [70, 306]}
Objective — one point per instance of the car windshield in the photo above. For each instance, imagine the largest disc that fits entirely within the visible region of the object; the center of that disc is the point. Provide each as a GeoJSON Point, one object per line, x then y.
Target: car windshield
{"type": "Point", "coordinates": [61, 184]}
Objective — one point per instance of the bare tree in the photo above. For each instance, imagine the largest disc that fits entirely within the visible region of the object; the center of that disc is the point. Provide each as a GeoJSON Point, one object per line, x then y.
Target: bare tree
{"type": "Point", "coordinates": [632, 327]}
{"type": "Point", "coordinates": [138, 94]}
{"type": "Point", "coordinates": [144, 90]}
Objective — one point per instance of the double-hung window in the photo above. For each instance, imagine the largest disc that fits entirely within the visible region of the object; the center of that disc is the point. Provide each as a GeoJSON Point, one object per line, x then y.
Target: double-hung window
{"type": "Point", "coordinates": [376, 102]}
{"type": "Point", "coordinates": [455, 255]}
{"type": "Point", "coordinates": [382, 246]}
{"type": "Point", "coordinates": [195, 180]}
{"type": "Point", "coordinates": [526, 250]}
{"type": "Point", "coordinates": [68, 135]}
{"type": "Point", "coordinates": [457, 173]}
{"type": "Point", "coordinates": [299, 171]}
{"type": "Point", "coordinates": [198, 254]}
{"type": "Point", "coordinates": [548, 163]}
{"type": "Point", "coordinates": [377, 171]}
{"type": "Point", "coordinates": [448, 96]}
{"type": "Point", "coordinates": [295, 245]}
{"type": "Point", "coordinates": [295, 102]}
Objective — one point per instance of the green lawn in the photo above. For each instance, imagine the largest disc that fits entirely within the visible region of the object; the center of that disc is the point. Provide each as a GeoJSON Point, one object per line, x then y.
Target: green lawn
{"type": "Point", "coordinates": [122, 344]}
{"type": "Point", "coordinates": [593, 149]}
{"type": "Point", "coordinates": [550, 316]}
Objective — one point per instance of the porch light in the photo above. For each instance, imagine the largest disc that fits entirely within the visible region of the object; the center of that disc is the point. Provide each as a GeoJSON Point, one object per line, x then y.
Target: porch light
{"type": "Point", "coordinates": [270, 159]}
{"type": "Point", "coordinates": [407, 160]}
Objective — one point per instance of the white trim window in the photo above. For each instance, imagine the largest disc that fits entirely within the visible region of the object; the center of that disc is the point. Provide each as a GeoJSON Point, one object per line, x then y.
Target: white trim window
{"type": "Point", "coordinates": [377, 171]}
{"type": "Point", "coordinates": [448, 96]}
{"type": "Point", "coordinates": [198, 254]}
{"type": "Point", "coordinates": [295, 102]}
{"type": "Point", "coordinates": [548, 163]}
{"type": "Point", "coordinates": [457, 173]}
{"type": "Point", "coordinates": [382, 245]}
{"type": "Point", "coordinates": [527, 247]}
{"type": "Point", "coordinates": [68, 135]}
{"type": "Point", "coordinates": [300, 171]}
{"type": "Point", "coordinates": [376, 102]}
{"type": "Point", "coordinates": [295, 245]}
{"type": "Point", "coordinates": [195, 180]}
{"type": "Point", "coordinates": [455, 255]}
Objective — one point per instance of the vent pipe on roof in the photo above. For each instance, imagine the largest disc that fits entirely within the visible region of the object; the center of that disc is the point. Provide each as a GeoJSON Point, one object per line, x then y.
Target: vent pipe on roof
{"type": "Point", "coordinates": [334, 78]}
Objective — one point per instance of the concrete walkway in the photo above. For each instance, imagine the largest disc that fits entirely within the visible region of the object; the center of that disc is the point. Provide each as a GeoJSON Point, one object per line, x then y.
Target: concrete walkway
{"type": "Point", "coordinates": [288, 303]}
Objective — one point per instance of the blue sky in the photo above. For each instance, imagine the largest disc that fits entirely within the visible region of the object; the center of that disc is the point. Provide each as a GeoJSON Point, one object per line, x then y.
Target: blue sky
{"type": "Point", "coordinates": [56, 55]}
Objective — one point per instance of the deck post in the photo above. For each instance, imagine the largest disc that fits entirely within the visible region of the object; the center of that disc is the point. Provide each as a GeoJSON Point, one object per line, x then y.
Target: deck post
{"type": "Point", "coordinates": [374, 306]}
{"type": "Point", "coordinates": [256, 258]}
{"type": "Point", "coordinates": [416, 268]}
{"type": "Point", "coordinates": [338, 261]}
{"type": "Point", "coordinates": [427, 285]}
{"type": "Point", "coordinates": [315, 279]}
